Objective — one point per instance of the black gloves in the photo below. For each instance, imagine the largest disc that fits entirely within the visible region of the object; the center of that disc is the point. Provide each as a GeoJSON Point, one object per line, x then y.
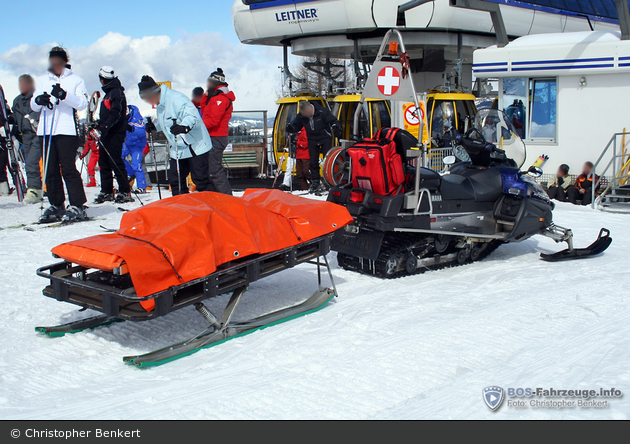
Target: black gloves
{"type": "Point", "coordinates": [130, 128]}
{"type": "Point", "coordinates": [44, 100]}
{"type": "Point", "coordinates": [59, 92]}
{"type": "Point", "coordinates": [337, 131]}
{"type": "Point", "coordinates": [150, 126]}
{"type": "Point", "coordinates": [179, 129]}
{"type": "Point", "coordinates": [11, 120]}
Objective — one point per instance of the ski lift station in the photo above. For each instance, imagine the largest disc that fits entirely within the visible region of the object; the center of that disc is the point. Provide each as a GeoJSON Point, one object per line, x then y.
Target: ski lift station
{"type": "Point", "coordinates": [559, 69]}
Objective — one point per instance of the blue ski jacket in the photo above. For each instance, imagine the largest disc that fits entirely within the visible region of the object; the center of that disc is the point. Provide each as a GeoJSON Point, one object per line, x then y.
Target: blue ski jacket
{"type": "Point", "coordinates": [136, 139]}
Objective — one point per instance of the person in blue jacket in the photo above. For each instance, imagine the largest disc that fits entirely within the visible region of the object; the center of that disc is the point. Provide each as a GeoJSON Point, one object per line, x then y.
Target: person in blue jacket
{"type": "Point", "coordinates": [185, 132]}
{"type": "Point", "coordinates": [134, 146]}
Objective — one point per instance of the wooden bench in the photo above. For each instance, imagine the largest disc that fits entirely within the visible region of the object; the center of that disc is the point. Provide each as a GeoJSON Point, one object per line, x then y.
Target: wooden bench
{"type": "Point", "coordinates": [241, 159]}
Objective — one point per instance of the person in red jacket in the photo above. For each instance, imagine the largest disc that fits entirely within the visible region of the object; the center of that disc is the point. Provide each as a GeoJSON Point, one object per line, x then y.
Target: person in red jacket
{"type": "Point", "coordinates": [91, 147]}
{"type": "Point", "coordinates": [216, 111]}
{"type": "Point", "coordinates": [298, 155]}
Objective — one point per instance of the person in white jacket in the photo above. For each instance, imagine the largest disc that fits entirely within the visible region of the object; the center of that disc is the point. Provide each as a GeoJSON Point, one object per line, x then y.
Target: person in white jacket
{"type": "Point", "coordinates": [58, 94]}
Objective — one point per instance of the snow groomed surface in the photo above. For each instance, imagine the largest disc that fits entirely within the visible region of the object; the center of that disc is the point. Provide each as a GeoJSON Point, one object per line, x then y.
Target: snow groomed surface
{"type": "Point", "coordinates": [418, 347]}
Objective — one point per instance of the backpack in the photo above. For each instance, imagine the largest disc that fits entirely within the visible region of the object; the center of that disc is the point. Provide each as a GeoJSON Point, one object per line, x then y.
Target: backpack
{"type": "Point", "coordinates": [376, 165]}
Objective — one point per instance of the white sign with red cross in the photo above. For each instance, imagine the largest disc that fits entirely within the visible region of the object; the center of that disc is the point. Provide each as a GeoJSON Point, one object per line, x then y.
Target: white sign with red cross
{"type": "Point", "coordinates": [388, 81]}
{"type": "Point", "coordinates": [385, 82]}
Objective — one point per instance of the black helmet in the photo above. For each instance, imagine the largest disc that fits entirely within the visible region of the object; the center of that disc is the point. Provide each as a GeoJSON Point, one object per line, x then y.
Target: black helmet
{"type": "Point", "coordinates": [564, 168]}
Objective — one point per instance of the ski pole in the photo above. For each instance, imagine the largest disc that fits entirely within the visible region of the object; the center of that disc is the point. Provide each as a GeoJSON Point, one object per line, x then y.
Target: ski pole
{"type": "Point", "coordinates": [157, 177]}
{"type": "Point", "coordinates": [46, 148]}
{"type": "Point", "coordinates": [116, 166]}
{"type": "Point", "coordinates": [179, 178]}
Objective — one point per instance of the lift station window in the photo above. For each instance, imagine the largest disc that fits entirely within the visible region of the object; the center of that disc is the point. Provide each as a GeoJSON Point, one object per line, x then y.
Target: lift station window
{"type": "Point", "coordinates": [543, 109]}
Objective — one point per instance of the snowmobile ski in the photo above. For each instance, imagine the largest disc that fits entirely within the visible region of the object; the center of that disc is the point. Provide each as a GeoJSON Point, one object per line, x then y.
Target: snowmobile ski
{"type": "Point", "coordinates": [223, 330]}
{"type": "Point", "coordinates": [600, 245]}
{"type": "Point", "coordinates": [77, 326]}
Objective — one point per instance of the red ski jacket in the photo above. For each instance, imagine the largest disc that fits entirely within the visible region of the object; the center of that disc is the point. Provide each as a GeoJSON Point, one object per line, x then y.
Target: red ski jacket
{"type": "Point", "coordinates": [302, 146]}
{"type": "Point", "coordinates": [216, 111]}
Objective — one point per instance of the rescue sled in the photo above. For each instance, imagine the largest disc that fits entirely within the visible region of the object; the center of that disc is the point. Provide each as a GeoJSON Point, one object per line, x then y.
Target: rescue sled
{"type": "Point", "coordinates": [181, 251]}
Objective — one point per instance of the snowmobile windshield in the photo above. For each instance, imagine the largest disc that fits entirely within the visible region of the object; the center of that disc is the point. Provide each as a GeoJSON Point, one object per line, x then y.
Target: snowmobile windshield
{"type": "Point", "coordinates": [495, 127]}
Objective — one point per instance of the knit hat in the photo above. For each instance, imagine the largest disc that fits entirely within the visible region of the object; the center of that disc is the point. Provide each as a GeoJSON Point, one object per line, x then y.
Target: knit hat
{"type": "Point", "coordinates": [564, 168]}
{"type": "Point", "coordinates": [148, 87]}
{"type": "Point", "coordinates": [107, 73]}
{"type": "Point", "coordinates": [58, 51]}
{"type": "Point", "coordinates": [217, 76]}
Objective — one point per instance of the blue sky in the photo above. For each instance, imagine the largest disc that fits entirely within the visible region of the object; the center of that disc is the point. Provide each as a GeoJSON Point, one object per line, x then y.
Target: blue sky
{"type": "Point", "coordinates": [178, 41]}
{"type": "Point", "coordinates": [80, 23]}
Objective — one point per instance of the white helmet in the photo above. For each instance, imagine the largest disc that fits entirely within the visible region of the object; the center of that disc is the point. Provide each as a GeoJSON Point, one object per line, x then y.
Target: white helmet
{"type": "Point", "coordinates": [106, 72]}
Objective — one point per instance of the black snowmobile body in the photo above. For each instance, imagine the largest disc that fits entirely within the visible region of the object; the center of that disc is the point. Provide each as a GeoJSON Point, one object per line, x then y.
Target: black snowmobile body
{"type": "Point", "coordinates": [459, 216]}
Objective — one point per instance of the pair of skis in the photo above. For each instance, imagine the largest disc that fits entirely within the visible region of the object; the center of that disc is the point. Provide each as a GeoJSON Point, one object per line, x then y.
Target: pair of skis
{"type": "Point", "coordinates": [15, 165]}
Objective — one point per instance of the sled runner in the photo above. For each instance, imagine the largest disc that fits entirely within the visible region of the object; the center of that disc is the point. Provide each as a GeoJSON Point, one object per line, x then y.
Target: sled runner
{"type": "Point", "coordinates": [204, 245]}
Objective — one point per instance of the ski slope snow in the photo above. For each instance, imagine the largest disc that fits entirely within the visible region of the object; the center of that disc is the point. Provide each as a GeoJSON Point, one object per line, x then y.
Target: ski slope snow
{"type": "Point", "coordinates": [412, 348]}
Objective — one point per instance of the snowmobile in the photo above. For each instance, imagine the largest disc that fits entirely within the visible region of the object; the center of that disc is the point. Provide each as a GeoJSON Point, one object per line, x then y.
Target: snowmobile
{"type": "Point", "coordinates": [429, 219]}
{"type": "Point", "coordinates": [181, 251]}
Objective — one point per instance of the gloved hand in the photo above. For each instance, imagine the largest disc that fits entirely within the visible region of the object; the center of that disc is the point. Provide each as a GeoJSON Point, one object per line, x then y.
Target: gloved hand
{"type": "Point", "coordinates": [130, 128]}
{"type": "Point", "coordinates": [44, 100]}
{"type": "Point", "coordinates": [59, 92]}
{"type": "Point", "coordinates": [102, 130]}
{"type": "Point", "coordinates": [95, 133]}
{"type": "Point", "coordinates": [11, 120]}
{"type": "Point", "coordinates": [150, 126]}
{"type": "Point", "coordinates": [337, 131]}
{"type": "Point", "coordinates": [83, 155]}
{"type": "Point", "coordinates": [179, 129]}
{"type": "Point", "coordinates": [94, 125]}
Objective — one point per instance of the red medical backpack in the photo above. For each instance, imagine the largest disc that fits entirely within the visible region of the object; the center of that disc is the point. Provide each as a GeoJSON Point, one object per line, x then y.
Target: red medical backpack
{"type": "Point", "coordinates": [376, 166]}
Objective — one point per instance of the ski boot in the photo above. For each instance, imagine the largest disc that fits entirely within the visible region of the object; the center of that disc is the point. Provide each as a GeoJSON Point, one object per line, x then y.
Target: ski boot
{"type": "Point", "coordinates": [92, 182]}
{"type": "Point", "coordinates": [33, 196]}
{"type": "Point", "coordinates": [316, 188]}
{"type": "Point", "coordinates": [52, 214]}
{"type": "Point", "coordinates": [104, 197]}
{"type": "Point", "coordinates": [74, 214]}
{"type": "Point", "coordinates": [140, 191]}
{"type": "Point", "coordinates": [283, 187]}
{"type": "Point", "coordinates": [132, 180]}
{"type": "Point", "coordinates": [124, 198]}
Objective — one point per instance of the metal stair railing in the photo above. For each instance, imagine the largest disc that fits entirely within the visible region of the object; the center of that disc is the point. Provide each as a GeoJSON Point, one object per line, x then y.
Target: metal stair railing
{"type": "Point", "coordinates": [620, 158]}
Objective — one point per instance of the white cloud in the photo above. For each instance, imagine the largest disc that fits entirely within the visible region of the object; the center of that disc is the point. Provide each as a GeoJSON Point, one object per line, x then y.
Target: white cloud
{"type": "Point", "coordinates": [252, 74]}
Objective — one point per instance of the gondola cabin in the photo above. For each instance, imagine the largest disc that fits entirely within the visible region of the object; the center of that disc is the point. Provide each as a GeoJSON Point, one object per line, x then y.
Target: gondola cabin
{"type": "Point", "coordinates": [376, 114]}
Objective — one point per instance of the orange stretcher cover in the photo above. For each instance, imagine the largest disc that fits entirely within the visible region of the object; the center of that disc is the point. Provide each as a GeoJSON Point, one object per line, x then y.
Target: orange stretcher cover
{"type": "Point", "coordinates": [200, 231]}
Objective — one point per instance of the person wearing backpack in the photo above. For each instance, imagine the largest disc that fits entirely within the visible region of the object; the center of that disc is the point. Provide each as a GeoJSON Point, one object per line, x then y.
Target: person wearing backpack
{"type": "Point", "coordinates": [134, 146]}
{"type": "Point", "coordinates": [216, 111]}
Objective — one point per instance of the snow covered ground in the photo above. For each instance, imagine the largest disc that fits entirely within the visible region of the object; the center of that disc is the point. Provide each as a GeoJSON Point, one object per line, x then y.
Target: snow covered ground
{"type": "Point", "coordinates": [412, 348]}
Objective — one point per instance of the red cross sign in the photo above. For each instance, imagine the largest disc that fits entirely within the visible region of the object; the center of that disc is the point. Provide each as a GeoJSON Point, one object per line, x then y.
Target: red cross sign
{"type": "Point", "coordinates": [388, 81]}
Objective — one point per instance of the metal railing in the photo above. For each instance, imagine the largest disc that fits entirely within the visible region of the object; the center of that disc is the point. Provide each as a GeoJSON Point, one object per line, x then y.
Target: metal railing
{"type": "Point", "coordinates": [436, 158]}
{"type": "Point", "coordinates": [618, 165]}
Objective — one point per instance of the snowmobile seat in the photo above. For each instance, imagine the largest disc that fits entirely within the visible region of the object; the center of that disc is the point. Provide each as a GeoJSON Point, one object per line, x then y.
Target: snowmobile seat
{"type": "Point", "coordinates": [456, 187]}
{"type": "Point", "coordinates": [429, 179]}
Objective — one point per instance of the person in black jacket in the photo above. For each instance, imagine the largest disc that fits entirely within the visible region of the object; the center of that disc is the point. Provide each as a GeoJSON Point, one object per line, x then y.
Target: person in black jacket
{"type": "Point", "coordinates": [113, 128]}
{"type": "Point", "coordinates": [320, 125]}
{"type": "Point", "coordinates": [26, 121]}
